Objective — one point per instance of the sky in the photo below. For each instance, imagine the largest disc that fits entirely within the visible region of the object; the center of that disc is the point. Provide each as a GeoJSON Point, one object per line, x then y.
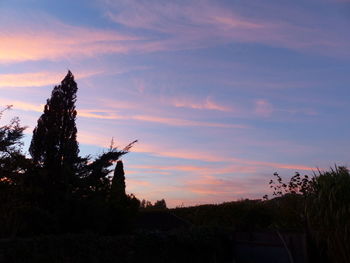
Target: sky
{"type": "Point", "coordinates": [220, 94]}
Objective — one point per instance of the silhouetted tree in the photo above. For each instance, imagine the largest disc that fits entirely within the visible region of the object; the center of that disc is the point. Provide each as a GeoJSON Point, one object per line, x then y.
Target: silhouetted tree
{"type": "Point", "coordinates": [145, 204]}
{"type": "Point", "coordinates": [14, 167]}
{"type": "Point", "coordinates": [118, 184]}
{"type": "Point", "coordinates": [54, 145]}
{"type": "Point", "coordinates": [57, 191]}
{"type": "Point", "coordinates": [12, 161]}
{"type": "Point", "coordinates": [94, 175]}
{"type": "Point", "coordinates": [160, 204]}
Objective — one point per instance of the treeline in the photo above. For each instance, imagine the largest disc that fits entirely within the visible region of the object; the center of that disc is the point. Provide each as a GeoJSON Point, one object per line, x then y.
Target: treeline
{"type": "Point", "coordinates": [317, 205]}
{"type": "Point", "coordinates": [55, 190]}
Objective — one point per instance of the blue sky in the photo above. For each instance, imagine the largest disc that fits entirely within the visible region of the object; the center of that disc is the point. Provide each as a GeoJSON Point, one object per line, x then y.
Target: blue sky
{"type": "Point", "coordinates": [220, 94]}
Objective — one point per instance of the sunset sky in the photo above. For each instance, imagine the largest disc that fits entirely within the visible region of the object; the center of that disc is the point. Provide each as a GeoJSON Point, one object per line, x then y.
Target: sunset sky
{"type": "Point", "coordinates": [220, 94]}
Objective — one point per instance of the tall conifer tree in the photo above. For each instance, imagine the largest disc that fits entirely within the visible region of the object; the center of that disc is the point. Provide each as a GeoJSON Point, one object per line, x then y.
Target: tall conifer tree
{"type": "Point", "coordinates": [118, 183]}
{"type": "Point", "coordinates": [54, 143]}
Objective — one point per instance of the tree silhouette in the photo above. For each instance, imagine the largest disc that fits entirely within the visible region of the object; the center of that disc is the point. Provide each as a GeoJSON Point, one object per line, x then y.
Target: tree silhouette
{"type": "Point", "coordinates": [12, 160]}
{"type": "Point", "coordinates": [54, 145]}
{"type": "Point", "coordinates": [118, 184]}
{"type": "Point", "coordinates": [94, 180]}
{"type": "Point", "coordinates": [57, 191]}
{"type": "Point", "coordinates": [160, 204]}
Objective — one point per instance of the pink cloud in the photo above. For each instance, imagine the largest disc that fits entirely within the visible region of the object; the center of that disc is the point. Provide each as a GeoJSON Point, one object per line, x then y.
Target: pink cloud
{"type": "Point", "coordinates": [100, 114]}
{"type": "Point", "coordinates": [228, 188]}
{"type": "Point", "coordinates": [135, 182]}
{"type": "Point", "coordinates": [35, 40]}
{"type": "Point", "coordinates": [21, 105]}
{"type": "Point", "coordinates": [208, 104]}
{"type": "Point", "coordinates": [203, 170]}
{"type": "Point", "coordinates": [108, 114]}
{"type": "Point", "coordinates": [233, 165]}
{"type": "Point", "coordinates": [37, 79]}
{"type": "Point", "coordinates": [184, 122]}
{"type": "Point", "coordinates": [273, 165]}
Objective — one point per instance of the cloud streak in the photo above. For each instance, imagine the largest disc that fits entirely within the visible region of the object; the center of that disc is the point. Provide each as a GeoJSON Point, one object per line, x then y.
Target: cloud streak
{"type": "Point", "coordinates": [108, 114]}
{"type": "Point", "coordinates": [183, 26]}
{"type": "Point", "coordinates": [174, 27]}
{"type": "Point", "coordinates": [36, 79]}
{"type": "Point", "coordinates": [54, 40]}
{"type": "Point", "coordinates": [208, 104]}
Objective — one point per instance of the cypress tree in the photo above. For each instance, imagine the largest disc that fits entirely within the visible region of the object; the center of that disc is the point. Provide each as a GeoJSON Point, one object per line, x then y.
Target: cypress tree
{"type": "Point", "coordinates": [54, 143]}
{"type": "Point", "coordinates": [118, 194]}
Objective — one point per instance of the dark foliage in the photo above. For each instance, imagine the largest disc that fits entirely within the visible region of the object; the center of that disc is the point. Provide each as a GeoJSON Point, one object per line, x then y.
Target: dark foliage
{"type": "Point", "coordinates": [118, 194]}
{"type": "Point", "coordinates": [158, 205]}
{"type": "Point", "coordinates": [244, 215]}
{"type": "Point", "coordinates": [57, 191]}
{"type": "Point", "coordinates": [54, 143]}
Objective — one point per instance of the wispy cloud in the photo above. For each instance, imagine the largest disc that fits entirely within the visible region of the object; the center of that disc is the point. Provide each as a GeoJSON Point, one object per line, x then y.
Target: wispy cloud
{"type": "Point", "coordinates": [176, 26]}
{"type": "Point", "coordinates": [171, 16]}
{"type": "Point", "coordinates": [109, 114]}
{"type": "Point", "coordinates": [43, 38]}
{"type": "Point", "coordinates": [274, 165]}
{"type": "Point", "coordinates": [213, 169]}
{"type": "Point", "coordinates": [207, 104]}
{"type": "Point", "coordinates": [184, 26]}
{"type": "Point", "coordinates": [263, 108]}
{"type": "Point", "coordinates": [184, 122]}
{"type": "Point", "coordinates": [227, 188]}
{"type": "Point", "coordinates": [37, 79]}
{"type": "Point", "coordinates": [230, 164]}
{"type": "Point", "coordinates": [22, 105]}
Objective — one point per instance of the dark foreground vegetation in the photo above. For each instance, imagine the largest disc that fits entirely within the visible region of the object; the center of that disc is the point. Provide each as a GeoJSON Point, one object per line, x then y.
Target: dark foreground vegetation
{"type": "Point", "coordinates": [317, 206]}
{"type": "Point", "coordinates": [56, 206]}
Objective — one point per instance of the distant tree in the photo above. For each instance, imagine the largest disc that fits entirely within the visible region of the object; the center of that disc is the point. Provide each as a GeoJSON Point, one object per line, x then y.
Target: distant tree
{"type": "Point", "coordinates": [160, 204]}
{"type": "Point", "coordinates": [54, 143]}
{"type": "Point", "coordinates": [145, 204]}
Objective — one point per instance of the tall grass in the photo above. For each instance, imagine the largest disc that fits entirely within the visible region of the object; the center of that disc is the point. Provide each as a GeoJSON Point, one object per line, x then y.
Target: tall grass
{"type": "Point", "coordinates": [328, 212]}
